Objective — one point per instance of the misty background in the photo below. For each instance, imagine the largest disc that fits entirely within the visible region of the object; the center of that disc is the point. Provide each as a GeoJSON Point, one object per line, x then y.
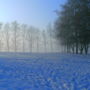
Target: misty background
{"type": "Point", "coordinates": [28, 25]}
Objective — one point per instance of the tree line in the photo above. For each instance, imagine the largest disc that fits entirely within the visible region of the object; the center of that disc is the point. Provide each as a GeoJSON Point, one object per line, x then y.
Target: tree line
{"type": "Point", "coordinates": [73, 26]}
{"type": "Point", "coordinates": [15, 37]}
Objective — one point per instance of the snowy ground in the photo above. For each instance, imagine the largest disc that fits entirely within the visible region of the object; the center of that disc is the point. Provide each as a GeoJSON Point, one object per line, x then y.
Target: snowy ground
{"type": "Point", "coordinates": [44, 72]}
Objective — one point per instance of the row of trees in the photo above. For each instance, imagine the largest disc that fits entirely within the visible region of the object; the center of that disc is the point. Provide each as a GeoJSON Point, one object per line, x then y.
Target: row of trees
{"type": "Point", "coordinates": [23, 38]}
{"type": "Point", "coordinates": [73, 26]}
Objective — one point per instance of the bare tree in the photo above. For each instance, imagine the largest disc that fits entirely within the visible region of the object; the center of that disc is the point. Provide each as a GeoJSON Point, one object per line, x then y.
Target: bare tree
{"type": "Point", "coordinates": [37, 39]}
{"type": "Point", "coordinates": [45, 41]}
{"type": "Point", "coordinates": [0, 36]}
{"type": "Point", "coordinates": [50, 32]}
{"type": "Point", "coordinates": [7, 27]}
{"type": "Point", "coordinates": [15, 29]}
{"type": "Point", "coordinates": [24, 28]}
{"type": "Point", "coordinates": [30, 37]}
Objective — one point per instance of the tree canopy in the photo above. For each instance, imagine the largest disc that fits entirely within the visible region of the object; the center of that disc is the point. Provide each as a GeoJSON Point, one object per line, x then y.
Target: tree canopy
{"type": "Point", "coordinates": [73, 26]}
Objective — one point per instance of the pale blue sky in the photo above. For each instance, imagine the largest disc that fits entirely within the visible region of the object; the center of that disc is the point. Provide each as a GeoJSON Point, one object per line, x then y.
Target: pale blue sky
{"type": "Point", "coordinates": [32, 12]}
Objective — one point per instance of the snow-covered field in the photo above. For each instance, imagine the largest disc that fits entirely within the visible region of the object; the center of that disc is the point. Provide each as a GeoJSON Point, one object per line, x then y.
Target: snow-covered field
{"type": "Point", "coordinates": [44, 71]}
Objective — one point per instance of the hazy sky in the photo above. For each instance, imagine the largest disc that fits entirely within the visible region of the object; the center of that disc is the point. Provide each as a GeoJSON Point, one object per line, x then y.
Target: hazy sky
{"type": "Point", "coordinates": [32, 12]}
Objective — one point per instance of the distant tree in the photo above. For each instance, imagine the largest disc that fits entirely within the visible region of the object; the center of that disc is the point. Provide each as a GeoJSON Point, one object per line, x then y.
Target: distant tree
{"type": "Point", "coordinates": [24, 29]}
{"type": "Point", "coordinates": [45, 41]}
{"type": "Point", "coordinates": [50, 33]}
{"type": "Point", "coordinates": [0, 36]}
{"type": "Point", "coordinates": [15, 26]}
{"type": "Point", "coordinates": [37, 38]}
{"type": "Point", "coordinates": [7, 28]}
{"type": "Point", "coordinates": [30, 37]}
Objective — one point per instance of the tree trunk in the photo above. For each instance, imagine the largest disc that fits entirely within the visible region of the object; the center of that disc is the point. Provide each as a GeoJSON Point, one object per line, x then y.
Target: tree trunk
{"type": "Point", "coordinates": [76, 47]}
{"type": "Point", "coordinates": [73, 49]}
{"type": "Point", "coordinates": [81, 49]}
{"type": "Point", "coordinates": [86, 49]}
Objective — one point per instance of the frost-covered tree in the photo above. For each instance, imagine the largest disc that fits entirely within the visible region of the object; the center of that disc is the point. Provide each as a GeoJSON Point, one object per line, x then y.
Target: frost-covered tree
{"type": "Point", "coordinates": [24, 29]}
{"type": "Point", "coordinates": [0, 36]}
{"type": "Point", "coordinates": [37, 39]}
{"type": "Point", "coordinates": [15, 28]}
{"type": "Point", "coordinates": [30, 38]}
{"type": "Point", "coordinates": [45, 41]}
{"type": "Point", "coordinates": [7, 28]}
{"type": "Point", "coordinates": [50, 33]}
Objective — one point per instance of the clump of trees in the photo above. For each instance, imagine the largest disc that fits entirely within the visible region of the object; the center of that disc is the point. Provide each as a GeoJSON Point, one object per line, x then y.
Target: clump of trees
{"type": "Point", "coordinates": [73, 26]}
{"type": "Point", "coordinates": [16, 37]}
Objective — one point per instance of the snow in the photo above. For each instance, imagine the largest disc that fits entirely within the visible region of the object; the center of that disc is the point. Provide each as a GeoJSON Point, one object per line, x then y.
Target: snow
{"type": "Point", "coordinates": [55, 71]}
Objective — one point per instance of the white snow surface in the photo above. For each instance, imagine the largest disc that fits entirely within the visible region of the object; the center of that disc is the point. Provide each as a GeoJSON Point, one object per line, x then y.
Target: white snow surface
{"type": "Point", "coordinates": [51, 71]}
